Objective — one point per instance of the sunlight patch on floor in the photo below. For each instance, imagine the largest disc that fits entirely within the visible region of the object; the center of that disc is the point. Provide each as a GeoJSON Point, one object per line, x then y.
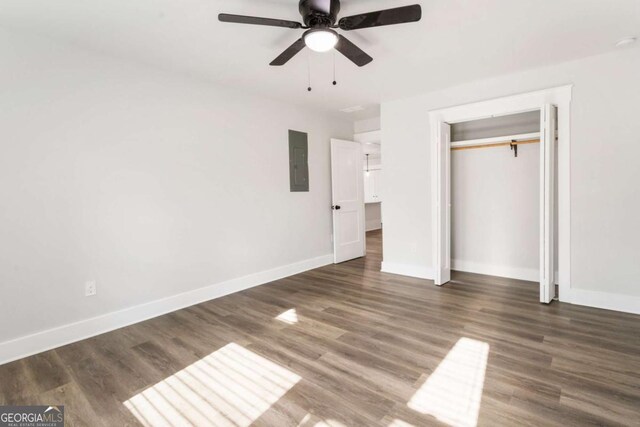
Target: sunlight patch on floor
{"type": "Point", "coordinates": [289, 316]}
{"type": "Point", "coordinates": [230, 387]}
{"type": "Point", "coordinates": [400, 423]}
{"type": "Point", "coordinates": [312, 421]}
{"type": "Point", "coordinates": [453, 392]}
{"type": "Point", "coordinates": [329, 423]}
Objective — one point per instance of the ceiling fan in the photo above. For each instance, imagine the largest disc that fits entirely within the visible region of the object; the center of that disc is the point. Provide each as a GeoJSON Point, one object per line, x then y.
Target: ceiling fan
{"type": "Point", "coordinates": [320, 17]}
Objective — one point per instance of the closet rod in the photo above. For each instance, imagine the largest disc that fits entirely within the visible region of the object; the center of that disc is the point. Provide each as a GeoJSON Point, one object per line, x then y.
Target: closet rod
{"type": "Point", "coordinates": [497, 144]}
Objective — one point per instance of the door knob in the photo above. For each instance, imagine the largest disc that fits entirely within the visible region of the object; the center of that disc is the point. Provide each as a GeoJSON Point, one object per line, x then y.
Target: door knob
{"type": "Point", "coordinates": [336, 207]}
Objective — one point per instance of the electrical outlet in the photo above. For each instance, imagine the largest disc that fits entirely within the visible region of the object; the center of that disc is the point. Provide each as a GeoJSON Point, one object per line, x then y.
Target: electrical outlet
{"type": "Point", "coordinates": [90, 288]}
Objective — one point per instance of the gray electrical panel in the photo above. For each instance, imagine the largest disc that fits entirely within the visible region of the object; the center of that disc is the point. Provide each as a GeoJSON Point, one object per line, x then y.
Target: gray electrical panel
{"type": "Point", "coordinates": [298, 161]}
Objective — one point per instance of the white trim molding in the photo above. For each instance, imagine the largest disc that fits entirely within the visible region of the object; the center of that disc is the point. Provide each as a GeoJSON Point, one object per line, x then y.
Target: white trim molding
{"type": "Point", "coordinates": [605, 300]}
{"type": "Point", "coordinates": [519, 273]}
{"type": "Point", "coordinates": [417, 271]}
{"type": "Point", "coordinates": [87, 328]}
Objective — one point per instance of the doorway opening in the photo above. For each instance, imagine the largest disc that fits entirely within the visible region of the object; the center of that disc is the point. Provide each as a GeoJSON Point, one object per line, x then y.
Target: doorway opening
{"type": "Point", "coordinates": [356, 174]}
{"type": "Point", "coordinates": [372, 179]}
{"type": "Point", "coordinates": [495, 196]}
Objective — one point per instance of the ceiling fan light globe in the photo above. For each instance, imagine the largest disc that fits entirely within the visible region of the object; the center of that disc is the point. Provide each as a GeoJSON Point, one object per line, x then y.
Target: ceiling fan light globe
{"type": "Point", "coordinates": [321, 40]}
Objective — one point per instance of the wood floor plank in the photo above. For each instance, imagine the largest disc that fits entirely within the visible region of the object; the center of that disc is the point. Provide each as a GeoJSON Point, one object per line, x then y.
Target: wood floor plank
{"type": "Point", "coordinates": [47, 371]}
{"type": "Point", "coordinates": [17, 387]}
{"type": "Point", "coordinates": [356, 395]}
{"type": "Point", "coordinates": [103, 390]}
{"type": "Point", "coordinates": [347, 345]}
{"type": "Point", "coordinates": [78, 410]}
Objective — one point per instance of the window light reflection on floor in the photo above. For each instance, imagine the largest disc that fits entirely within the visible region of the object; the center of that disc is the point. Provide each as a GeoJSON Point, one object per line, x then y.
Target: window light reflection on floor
{"type": "Point", "coordinates": [289, 316]}
{"type": "Point", "coordinates": [329, 423]}
{"type": "Point", "coordinates": [453, 392]}
{"type": "Point", "coordinates": [400, 423]}
{"type": "Point", "coordinates": [312, 421]}
{"type": "Point", "coordinates": [230, 387]}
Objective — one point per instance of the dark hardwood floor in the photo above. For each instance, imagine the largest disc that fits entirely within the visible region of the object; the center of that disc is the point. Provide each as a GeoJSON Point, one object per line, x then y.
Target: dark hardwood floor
{"type": "Point", "coordinates": [346, 345]}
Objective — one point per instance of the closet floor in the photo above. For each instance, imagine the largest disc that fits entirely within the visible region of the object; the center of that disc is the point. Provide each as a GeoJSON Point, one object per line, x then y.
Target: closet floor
{"type": "Point", "coordinates": [347, 345]}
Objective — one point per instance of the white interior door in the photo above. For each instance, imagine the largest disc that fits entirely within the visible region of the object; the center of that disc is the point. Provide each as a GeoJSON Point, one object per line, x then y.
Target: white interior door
{"type": "Point", "coordinates": [547, 188]}
{"type": "Point", "coordinates": [443, 206]}
{"type": "Point", "coordinates": [348, 200]}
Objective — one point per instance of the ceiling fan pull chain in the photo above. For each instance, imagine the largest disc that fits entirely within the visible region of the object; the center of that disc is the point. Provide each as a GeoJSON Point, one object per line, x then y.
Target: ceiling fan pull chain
{"type": "Point", "coordinates": [309, 70]}
{"type": "Point", "coordinates": [334, 68]}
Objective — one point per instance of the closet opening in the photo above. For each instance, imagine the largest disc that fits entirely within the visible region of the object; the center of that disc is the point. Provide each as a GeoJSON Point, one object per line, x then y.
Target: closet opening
{"type": "Point", "coordinates": [495, 197]}
{"type": "Point", "coordinates": [500, 190]}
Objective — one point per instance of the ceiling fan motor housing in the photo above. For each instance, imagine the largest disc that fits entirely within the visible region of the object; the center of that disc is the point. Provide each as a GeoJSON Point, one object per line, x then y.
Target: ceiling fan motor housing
{"type": "Point", "coordinates": [319, 13]}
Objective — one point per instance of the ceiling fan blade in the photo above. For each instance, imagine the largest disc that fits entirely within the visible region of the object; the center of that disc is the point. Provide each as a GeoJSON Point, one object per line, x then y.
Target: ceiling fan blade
{"type": "Point", "coordinates": [353, 52]}
{"type": "Point", "coordinates": [399, 15]}
{"type": "Point", "coordinates": [291, 51]}
{"type": "Point", "coordinates": [254, 20]}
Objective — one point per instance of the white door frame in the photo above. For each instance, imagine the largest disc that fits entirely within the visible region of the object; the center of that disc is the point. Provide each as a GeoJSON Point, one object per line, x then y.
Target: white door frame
{"type": "Point", "coordinates": [561, 98]}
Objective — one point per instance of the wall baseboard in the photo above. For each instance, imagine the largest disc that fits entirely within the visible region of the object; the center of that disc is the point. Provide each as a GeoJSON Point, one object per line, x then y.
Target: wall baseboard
{"type": "Point", "coordinates": [530, 274]}
{"type": "Point", "coordinates": [595, 299]}
{"type": "Point", "coordinates": [407, 270]}
{"type": "Point", "coordinates": [67, 334]}
{"type": "Point", "coordinates": [373, 224]}
{"type": "Point", "coordinates": [605, 300]}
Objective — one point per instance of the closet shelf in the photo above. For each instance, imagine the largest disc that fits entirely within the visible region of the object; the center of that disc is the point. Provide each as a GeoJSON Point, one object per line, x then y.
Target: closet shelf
{"type": "Point", "coordinates": [524, 138]}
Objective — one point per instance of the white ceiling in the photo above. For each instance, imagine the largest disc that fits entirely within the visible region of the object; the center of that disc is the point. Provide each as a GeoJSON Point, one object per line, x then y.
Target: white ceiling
{"type": "Point", "coordinates": [456, 41]}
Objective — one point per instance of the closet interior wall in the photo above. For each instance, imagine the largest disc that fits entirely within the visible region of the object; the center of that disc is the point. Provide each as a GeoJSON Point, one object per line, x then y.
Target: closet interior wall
{"type": "Point", "coordinates": [495, 214]}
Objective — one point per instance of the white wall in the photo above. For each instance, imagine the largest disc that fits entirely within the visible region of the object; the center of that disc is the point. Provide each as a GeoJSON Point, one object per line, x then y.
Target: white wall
{"type": "Point", "coordinates": [495, 225]}
{"type": "Point", "coordinates": [151, 184]}
{"type": "Point", "coordinates": [605, 196]}
{"type": "Point", "coordinates": [366, 125]}
{"type": "Point", "coordinates": [373, 211]}
{"type": "Point", "coordinates": [495, 200]}
{"type": "Point", "coordinates": [373, 216]}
